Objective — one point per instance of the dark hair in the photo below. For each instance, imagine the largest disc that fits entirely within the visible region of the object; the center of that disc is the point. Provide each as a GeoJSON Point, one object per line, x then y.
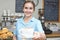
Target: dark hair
{"type": "Point", "coordinates": [29, 2]}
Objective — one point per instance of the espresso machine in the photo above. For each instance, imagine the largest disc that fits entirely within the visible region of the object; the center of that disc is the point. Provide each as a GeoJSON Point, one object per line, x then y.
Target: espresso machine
{"type": "Point", "coordinates": [42, 19]}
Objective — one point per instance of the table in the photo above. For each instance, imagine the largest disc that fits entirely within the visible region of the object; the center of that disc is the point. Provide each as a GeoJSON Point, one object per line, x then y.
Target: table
{"type": "Point", "coordinates": [54, 34]}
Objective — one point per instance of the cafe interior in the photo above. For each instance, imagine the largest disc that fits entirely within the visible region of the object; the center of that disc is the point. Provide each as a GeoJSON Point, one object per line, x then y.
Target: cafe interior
{"type": "Point", "coordinates": [47, 11]}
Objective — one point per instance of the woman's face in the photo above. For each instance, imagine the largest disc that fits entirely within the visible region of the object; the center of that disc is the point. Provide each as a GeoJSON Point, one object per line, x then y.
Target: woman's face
{"type": "Point", "coordinates": [28, 9]}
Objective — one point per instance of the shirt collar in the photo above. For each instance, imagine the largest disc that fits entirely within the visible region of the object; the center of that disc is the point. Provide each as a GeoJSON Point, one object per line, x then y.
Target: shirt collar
{"type": "Point", "coordinates": [22, 19]}
{"type": "Point", "coordinates": [32, 19]}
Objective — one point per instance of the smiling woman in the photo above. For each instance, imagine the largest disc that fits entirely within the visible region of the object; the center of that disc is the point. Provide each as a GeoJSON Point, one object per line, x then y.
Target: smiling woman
{"type": "Point", "coordinates": [27, 23]}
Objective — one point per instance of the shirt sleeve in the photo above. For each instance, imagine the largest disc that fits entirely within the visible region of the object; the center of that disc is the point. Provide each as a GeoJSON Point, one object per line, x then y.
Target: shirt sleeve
{"type": "Point", "coordinates": [39, 27]}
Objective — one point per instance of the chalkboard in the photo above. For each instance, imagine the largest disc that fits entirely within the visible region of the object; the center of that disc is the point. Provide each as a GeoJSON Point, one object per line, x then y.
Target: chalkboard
{"type": "Point", "coordinates": [51, 10]}
{"type": "Point", "coordinates": [19, 6]}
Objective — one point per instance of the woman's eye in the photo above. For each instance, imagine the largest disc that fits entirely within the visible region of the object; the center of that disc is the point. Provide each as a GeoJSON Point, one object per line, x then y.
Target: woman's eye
{"type": "Point", "coordinates": [26, 7]}
{"type": "Point", "coordinates": [30, 8]}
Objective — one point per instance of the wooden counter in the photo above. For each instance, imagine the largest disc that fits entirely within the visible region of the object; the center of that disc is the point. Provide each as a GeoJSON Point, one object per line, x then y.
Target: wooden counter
{"type": "Point", "coordinates": [54, 34]}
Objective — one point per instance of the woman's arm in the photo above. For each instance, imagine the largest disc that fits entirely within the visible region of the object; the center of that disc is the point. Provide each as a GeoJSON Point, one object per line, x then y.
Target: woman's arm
{"type": "Point", "coordinates": [42, 36]}
{"type": "Point", "coordinates": [40, 33]}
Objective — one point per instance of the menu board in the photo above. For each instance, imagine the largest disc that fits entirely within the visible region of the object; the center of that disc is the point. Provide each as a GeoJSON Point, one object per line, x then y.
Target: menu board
{"type": "Point", "coordinates": [19, 6]}
{"type": "Point", "coordinates": [51, 12]}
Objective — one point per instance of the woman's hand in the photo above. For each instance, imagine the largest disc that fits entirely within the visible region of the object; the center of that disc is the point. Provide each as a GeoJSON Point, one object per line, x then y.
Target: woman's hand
{"type": "Point", "coordinates": [39, 36]}
{"type": "Point", "coordinates": [36, 36]}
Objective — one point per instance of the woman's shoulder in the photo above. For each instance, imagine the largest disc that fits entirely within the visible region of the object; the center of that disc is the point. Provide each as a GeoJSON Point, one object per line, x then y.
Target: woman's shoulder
{"type": "Point", "coordinates": [36, 20]}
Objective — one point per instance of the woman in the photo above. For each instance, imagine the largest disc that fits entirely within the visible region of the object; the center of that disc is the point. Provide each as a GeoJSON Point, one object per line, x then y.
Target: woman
{"type": "Point", "coordinates": [28, 24]}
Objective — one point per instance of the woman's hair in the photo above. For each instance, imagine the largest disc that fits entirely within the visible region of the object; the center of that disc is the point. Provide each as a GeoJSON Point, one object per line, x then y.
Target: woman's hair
{"type": "Point", "coordinates": [29, 2]}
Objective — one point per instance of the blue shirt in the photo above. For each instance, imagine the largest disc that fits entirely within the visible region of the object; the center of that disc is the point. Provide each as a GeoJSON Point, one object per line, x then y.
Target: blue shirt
{"type": "Point", "coordinates": [33, 23]}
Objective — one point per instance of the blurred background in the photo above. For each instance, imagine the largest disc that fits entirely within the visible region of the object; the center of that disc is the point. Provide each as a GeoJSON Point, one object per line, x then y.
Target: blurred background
{"type": "Point", "coordinates": [48, 11]}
